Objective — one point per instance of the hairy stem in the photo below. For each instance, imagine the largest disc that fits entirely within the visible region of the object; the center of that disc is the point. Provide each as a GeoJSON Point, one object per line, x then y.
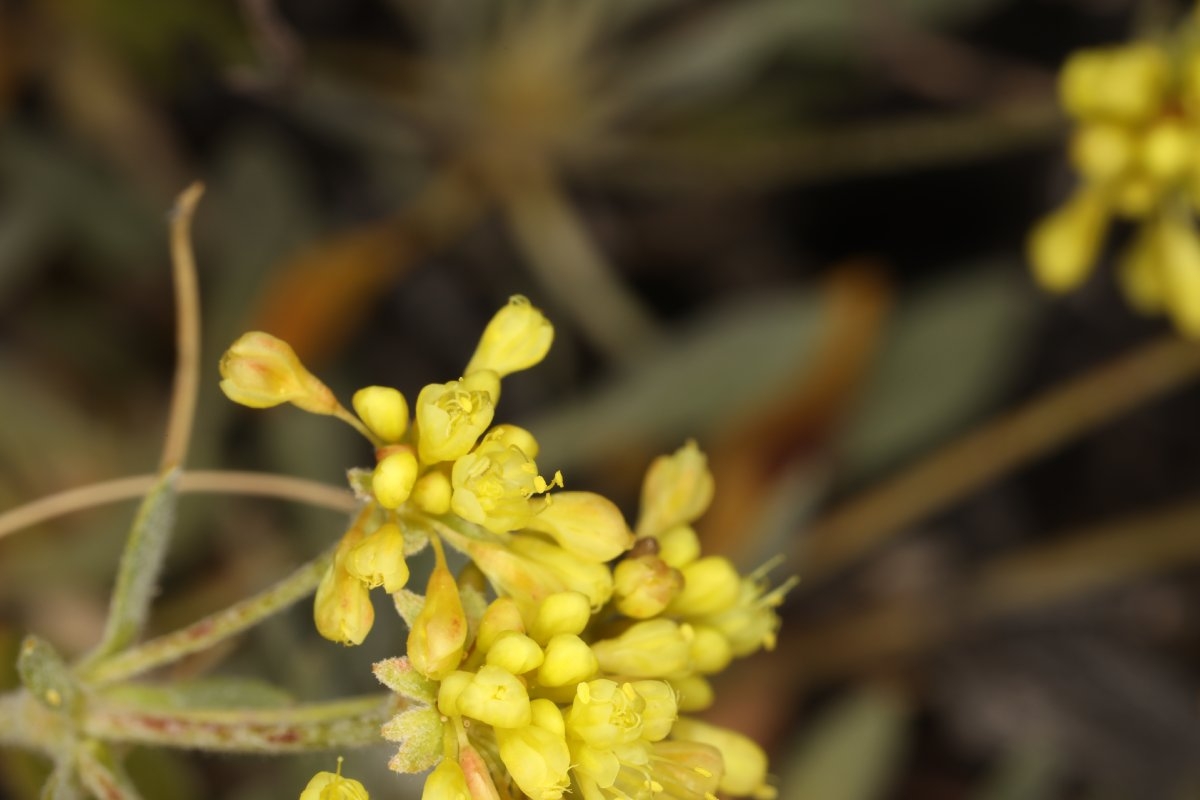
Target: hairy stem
{"type": "Point", "coordinates": [353, 722]}
{"type": "Point", "coordinates": [1080, 405]}
{"type": "Point", "coordinates": [206, 632]}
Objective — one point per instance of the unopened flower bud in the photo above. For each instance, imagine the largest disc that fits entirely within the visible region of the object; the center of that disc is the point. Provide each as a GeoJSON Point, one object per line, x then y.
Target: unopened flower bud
{"type": "Point", "coordinates": [383, 410]}
{"type": "Point", "coordinates": [1179, 246]}
{"type": "Point", "coordinates": [661, 708]}
{"type": "Point", "coordinates": [501, 616]}
{"type": "Point", "coordinates": [677, 489]}
{"type": "Point", "coordinates": [449, 690]}
{"type": "Point", "coordinates": [518, 337]}
{"type": "Point", "coordinates": [586, 524]}
{"type": "Point", "coordinates": [378, 560]}
{"type": "Point", "coordinates": [439, 633]}
{"type": "Point", "coordinates": [561, 612]}
{"type": "Point", "coordinates": [644, 586]}
{"type": "Point", "coordinates": [653, 648]}
{"type": "Point", "coordinates": [260, 371]}
{"type": "Point", "coordinates": [1063, 246]}
{"type": "Point", "coordinates": [515, 652]}
{"type": "Point", "coordinates": [546, 715]}
{"type": "Point", "coordinates": [568, 661]}
{"type": "Point", "coordinates": [679, 545]}
{"type": "Point", "coordinates": [694, 693]}
{"type": "Point", "coordinates": [710, 586]}
{"type": "Point", "coordinates": [431, 493]}
{"type": "Point", "coordinates": [394, 476]}
{"type": "Point", "coordinates": [342, 609]}
{"type": "Point", "coordinates": [711, 652]}
{"type": "Point", "coordinates": [537, 760]}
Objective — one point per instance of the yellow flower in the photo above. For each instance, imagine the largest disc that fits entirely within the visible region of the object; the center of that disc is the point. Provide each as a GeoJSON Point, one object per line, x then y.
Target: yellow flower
{"type": "Point", "coordinates": [493, 486]}
{"type": "Point", "coordinates": [515, 652]}
{"type": "Point", "coordinates": [431, 493]}
{"type": "Point", "coordinates": [383, 410]}
{"type": "Point", "coordinates": [332, 786]}
{"type": "Point", "coordinates": [677, 489]}
{"type": "Point", "coordinates": [452, 416]}
{"type": "Point", "coordinates": [496, 697]}
{"type": "Point", "coordinates": [378, 560]}
{"type": "Point", "coordinates": [568, 661]}
{"type": "Point", "coordinates": [260, 371]}
{"type": "Point", "coordinates": [517, 338]}
{"type": "Point", "coordinates": [561, 612]}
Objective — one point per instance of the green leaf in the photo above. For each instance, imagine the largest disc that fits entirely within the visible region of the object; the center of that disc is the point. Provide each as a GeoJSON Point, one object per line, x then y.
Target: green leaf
{"type": "Point", "coordinates": [852, 750]}
{"type": "Point", "coordinates": [215, 692]}
{"type": "Point", "coordinates": [399, 676]}
{"type": "Point", "coordinates": [64, 782]}
{"type": "Point", "coordinates": [948, 352]}
{"type": "Point", "coordinates": [47, 677]}
{"type": "Point", "coordinates": [419, 732]}
{"type": "Point", "coordinates": [141, 563]}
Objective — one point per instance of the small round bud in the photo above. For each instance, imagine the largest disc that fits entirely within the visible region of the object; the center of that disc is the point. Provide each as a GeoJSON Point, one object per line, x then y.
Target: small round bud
{"type": "Point", "coordinates": [644, 586]}
{"type": "Point", "coordinates": [695, 693]}
{"type": "Point", "coordinates": [561, 612]}
{"type": "Point", "coordinates": [431, 493]}
{"type": "Point", "coordinates": [710, 586]}
{"type": "Point", "coordinates": [394, 477]}
{"type": "Point", "coordinates": [501, 616]}
{"type": "Point", "coordinates": [1063, 246]}
{"type": "Point", "coordinates": [710, 650]}
{"type": "Point", "coordinates": [449, 690]}
{"type": "Point", "coordinates": [514, 436]}
{"type": "Point", "coordinates": [679, 545]}
{"type": "Point", "coordinates": [569, 660]}
{"type": "Point", "coordinates": [515, 652]}
{"type": "Point", "coordinates": [1103, 150]}
{"type": "Point", "coordinates": [342, 609]}
{"type": "Point", "coordinates": [1167, 149]}
{"type": "Point", "coordinates": [383, 410]}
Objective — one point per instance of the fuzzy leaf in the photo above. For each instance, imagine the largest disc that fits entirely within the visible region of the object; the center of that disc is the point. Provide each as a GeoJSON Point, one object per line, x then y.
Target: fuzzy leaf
{"type": "Point", "coordinates": [408, 605]}
{"type": "Point", "coordinates": [215, 692]}
{"type": "Point", "coordinates": [47, 677]}
{"type": "Point", "coordinates": [137, 576]}
{"type": "Point", "coordinates": [419, 732]}
{"type": "Point", "coordinates": [399, 676]}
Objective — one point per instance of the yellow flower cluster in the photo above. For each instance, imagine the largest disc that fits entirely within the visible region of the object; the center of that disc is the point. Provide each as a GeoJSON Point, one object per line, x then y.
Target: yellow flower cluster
{"type": "Point", "coordinates": [1137, 109]}
{"type": "Point", "coordinates": [561, 656]}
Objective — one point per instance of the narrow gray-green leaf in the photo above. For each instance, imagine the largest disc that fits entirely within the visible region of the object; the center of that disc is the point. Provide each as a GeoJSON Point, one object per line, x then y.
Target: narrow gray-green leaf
{"type": "Point", "coordinates": [947, 354]}
{"type": "Point", "coordinates": [63, 783]}
{"type": "Point", "coordinates": [213, 692]}
{"type": "Point", "coordinates": [851, 752]}
{"type": "Point", "coordinates": [141, 563]}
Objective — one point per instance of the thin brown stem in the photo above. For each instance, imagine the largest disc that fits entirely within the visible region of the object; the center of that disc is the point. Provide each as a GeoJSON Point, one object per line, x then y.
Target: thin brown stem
{"type": "Point", "coordinates": [187, 331]}
{"type": "Point", "coordinates": [259, 484]}
{"type": "Point", "coordinates": [1061, 415]}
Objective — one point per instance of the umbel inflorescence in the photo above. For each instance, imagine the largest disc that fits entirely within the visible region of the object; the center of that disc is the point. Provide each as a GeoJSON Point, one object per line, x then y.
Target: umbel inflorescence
{"type": "Point", "coordinates": [565, 655]}
{"type": "Point", "coordinates": [1136, 146]}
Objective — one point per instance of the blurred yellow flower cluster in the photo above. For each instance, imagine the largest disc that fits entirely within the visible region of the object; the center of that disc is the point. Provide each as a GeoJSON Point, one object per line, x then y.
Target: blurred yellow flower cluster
{"type": "Point", "coordinates": [1137, 113]}
{"type": "Point", "coordinates": [560, 657]}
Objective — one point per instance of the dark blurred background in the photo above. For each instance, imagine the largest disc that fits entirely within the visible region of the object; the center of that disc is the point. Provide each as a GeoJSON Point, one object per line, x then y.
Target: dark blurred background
{"type": "Point", "coordinates": [791, 229]}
